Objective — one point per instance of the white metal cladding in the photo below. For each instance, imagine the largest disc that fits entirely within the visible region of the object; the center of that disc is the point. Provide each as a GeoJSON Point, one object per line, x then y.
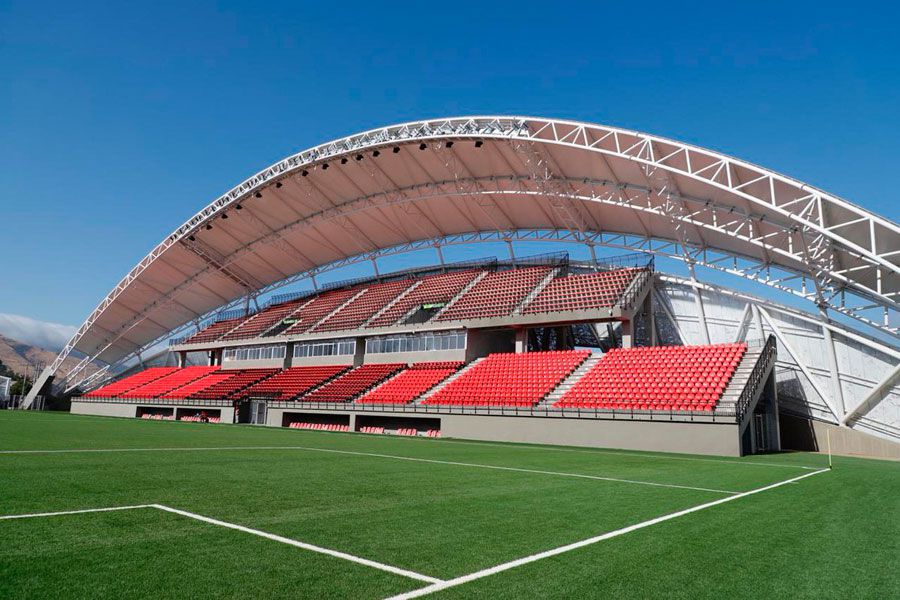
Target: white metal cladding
{"type": "Point", "coordinates": [451, 178]}
{"type": "Point", "coordinates": [804, 374]}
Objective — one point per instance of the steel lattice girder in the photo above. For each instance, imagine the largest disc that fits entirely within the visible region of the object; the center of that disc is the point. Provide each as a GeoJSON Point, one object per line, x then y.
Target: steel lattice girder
{"type": "Point", "coordinates": [836, 245]}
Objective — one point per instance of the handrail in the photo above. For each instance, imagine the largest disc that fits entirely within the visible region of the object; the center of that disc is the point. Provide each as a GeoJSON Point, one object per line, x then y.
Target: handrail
{"type": "Point", "coordinates": [765, 360]}
{"type": "Point", "coordinates": [635, 287]}
{"type": "Point", "coordinates": [721, 416]}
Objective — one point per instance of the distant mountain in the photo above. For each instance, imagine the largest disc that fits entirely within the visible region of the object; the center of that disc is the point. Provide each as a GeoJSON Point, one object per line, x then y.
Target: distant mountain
{"type": "Point", "coordinates": [43, 334]}
{"type": "Point", "coordinates": [19, 357]}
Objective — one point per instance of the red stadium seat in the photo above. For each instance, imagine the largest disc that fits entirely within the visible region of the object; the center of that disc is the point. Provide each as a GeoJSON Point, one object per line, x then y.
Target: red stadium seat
{"type": "Point", "coordinates": [411, 383]}
{"type": "Point", "coordinates": [509, 379]}
{"type": "Point", "coordinates": [680, 378]}
{"type": "Point", "coordinates": [496, 295]}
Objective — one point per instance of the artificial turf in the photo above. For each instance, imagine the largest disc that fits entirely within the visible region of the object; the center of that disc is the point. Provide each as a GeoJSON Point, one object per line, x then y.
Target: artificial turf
{"type": "Point", "coordinates": [400, 501]}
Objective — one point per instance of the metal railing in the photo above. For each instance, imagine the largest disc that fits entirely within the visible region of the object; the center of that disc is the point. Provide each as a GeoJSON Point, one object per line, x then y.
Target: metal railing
{"type": "Point", "coordinates": [637, 285]}
{"type": "Point", "coordinates": [634, 260]}
{"type": "Point", "coordinates": [757, 377]}
{"type": "Point", "coordinates": [154, 401]}
{"type": "Point", "coordinates": [725, 416]}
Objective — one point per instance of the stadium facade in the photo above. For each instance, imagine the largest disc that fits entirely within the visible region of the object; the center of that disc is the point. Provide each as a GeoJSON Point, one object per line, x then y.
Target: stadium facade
{"type": "Point", "coordinates": [433, 184]}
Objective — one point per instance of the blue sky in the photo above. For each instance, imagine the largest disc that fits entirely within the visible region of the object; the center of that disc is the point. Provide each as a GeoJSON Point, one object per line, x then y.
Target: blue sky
{"type": "Point", "coordinates": [118, 121]}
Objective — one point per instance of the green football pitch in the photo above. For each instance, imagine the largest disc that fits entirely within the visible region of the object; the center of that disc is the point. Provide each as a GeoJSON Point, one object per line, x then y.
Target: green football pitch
{"type": "Point", "coordinates": [199, 510]}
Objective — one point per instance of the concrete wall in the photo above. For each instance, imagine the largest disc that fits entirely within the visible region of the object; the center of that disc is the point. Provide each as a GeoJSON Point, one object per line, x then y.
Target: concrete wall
{"type": "Point", "coordinates": [483, 342]}
{"type": "Point", "coordinates": [308, 361]}
{"type": "Point", "coordinates": [277, 363]}
{"type": "Point", "coordinates": [109, 409]}
{"type": "Point", "coordinates": [798, 433]}
{"type": "Point", "coordinates": [413, 357]}
{"type": "Point", "coordinates": [720, 439]}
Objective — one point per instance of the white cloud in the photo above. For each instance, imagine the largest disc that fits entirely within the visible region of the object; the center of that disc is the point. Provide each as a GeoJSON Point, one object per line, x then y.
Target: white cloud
{"type": "Point", "coordinates": [49, 336]}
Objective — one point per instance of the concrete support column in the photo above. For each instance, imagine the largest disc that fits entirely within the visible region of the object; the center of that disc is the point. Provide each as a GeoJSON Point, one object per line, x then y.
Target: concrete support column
{"type": "Point", "coordinates": [288, 355]}
{"type": "Point", "coordinates": [182, 359]}
{"type": "Point", "coordinates": [360, 352]}
{"type": "Point", "coordinates": [627, 334]}
{"type": "Point", "coordinates": [650, 318]}
{"type": "Point", "coordinates": [521, 341]}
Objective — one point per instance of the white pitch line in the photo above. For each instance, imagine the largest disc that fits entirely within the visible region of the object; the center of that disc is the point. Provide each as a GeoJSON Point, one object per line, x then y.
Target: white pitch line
{"type": "Point", "coordinates": [303, 545]}
{"type": "Point", "coordinates": [257, 532]}
{"type": "Point", "coordinates": [75, 512]}
{"type": "Point", "coordinates": [523, 446]}
{"type": "Point", "coordinates": [377, 455]}
{"type": "Point", "coordinates": [581, 544]}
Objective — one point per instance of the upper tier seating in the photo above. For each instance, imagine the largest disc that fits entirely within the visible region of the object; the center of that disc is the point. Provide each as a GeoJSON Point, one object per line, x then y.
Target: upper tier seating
{"type": "Point", "coordinates": [238, 381]}
{"type": "Point", "coordinates": [411, 383]}
{"type": "Point", "coordinates": [291, 382]}
{"type": "Point", "coordinates": [509, 379]}
{"type": "Point", "coordinates": [434, 289]}
{"type": "Point", "coordinates": [214, 331]}
{"type": "Point", "coordinates": [582, 292]}
{"type": "Point", "coordinates": [168, 383]}
{"type": "Point", "coordinates": [197, 385]}
{"type": "Point", "coordinates": [354, 382]}
{"type": "Point", "coordinates": [359, 311]}
{"type": "Point", "coordinates": [657, 378]}
{"type": "Point", "coordinates": [121, 386]}
{"type": "Point", "coordinates": [318, 309]}
{"type": "Point", "coordinates": [265, 319]}
{"type": "Point", "coordinates": [496, 295]}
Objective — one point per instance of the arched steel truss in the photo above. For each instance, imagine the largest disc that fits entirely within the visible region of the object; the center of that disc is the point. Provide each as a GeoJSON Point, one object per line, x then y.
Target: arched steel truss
{"type": "Point", "coordinates": [815, 246]}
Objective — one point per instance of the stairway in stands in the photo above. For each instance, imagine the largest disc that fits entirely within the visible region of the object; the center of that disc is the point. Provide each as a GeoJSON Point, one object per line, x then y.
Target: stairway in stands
{"type": "Point", "coordinates": [567, 383]}
{"type": "Point", "coordinates": [739, 380]}
{"type": "Point", "coordinates": [442, 384]}
{"type": "Point", "coordinates": [553, 274]}
{"type": "Point", "coordinates": [460, 295]}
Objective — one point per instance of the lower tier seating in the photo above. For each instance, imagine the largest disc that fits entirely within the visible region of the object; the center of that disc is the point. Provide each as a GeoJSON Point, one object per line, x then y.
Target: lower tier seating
{"type": "Point", "coordinates": [158, 417]}
{"type": "Point", "coordinates": [433, 433]}
{"type": "Point", "coordinates": [509, 379]}
{"type": "Point", "coordinates": [371, 429]}
{"type": "Point", "coordinates": [186, 391]}
{"type": "Point", "coordinates": [199, 419]}
{"type": "Point", "coordinates": [408, 431]}
{"type": "Point", "coordinates": [319, 426]}
{"type": "Point", "coordinates": [168, 383]}
{"type": "Point", "coordinates": [411, 383]}
{"type": "Point", "coordinates": [238, 381]}
{"type": "Point", "coordinates": [117, 388]}
{"type": "Point", "coordinates": [353, 383]}
{"type": "Point", "coordinates": [291, 382]}
{"type": "Point", "coordinates": [679, 378]}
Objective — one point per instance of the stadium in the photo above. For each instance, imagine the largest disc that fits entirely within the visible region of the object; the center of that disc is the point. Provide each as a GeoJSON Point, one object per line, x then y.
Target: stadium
{"type": "Point", "coordinates": [425, 408]}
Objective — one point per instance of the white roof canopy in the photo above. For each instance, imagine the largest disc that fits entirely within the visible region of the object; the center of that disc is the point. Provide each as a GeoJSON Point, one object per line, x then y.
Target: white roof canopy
{"type": "Point", "coordinates": [439, 181]}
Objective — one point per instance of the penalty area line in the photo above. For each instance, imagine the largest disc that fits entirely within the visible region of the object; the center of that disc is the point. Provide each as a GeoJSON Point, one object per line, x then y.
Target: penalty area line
{"type": "Point", "coordinates": [437, 587]}
{"type": "Point", "coordinates": [303, 545]}
{"type": "Point", "coordinates": [74, 512]}
{"type": "Point", "coordinates": [269, 536]}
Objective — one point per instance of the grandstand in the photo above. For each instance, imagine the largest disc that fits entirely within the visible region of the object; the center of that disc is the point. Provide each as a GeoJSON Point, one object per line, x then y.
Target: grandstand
{"type": "Point", "coordinates": [599, 350]}
{"type": "Point", "coordinates": [583, 422]}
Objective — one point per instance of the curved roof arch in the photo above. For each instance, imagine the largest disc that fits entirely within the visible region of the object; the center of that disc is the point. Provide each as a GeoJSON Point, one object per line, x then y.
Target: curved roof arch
{"type": "Point", "coordinates": [428, 181]}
